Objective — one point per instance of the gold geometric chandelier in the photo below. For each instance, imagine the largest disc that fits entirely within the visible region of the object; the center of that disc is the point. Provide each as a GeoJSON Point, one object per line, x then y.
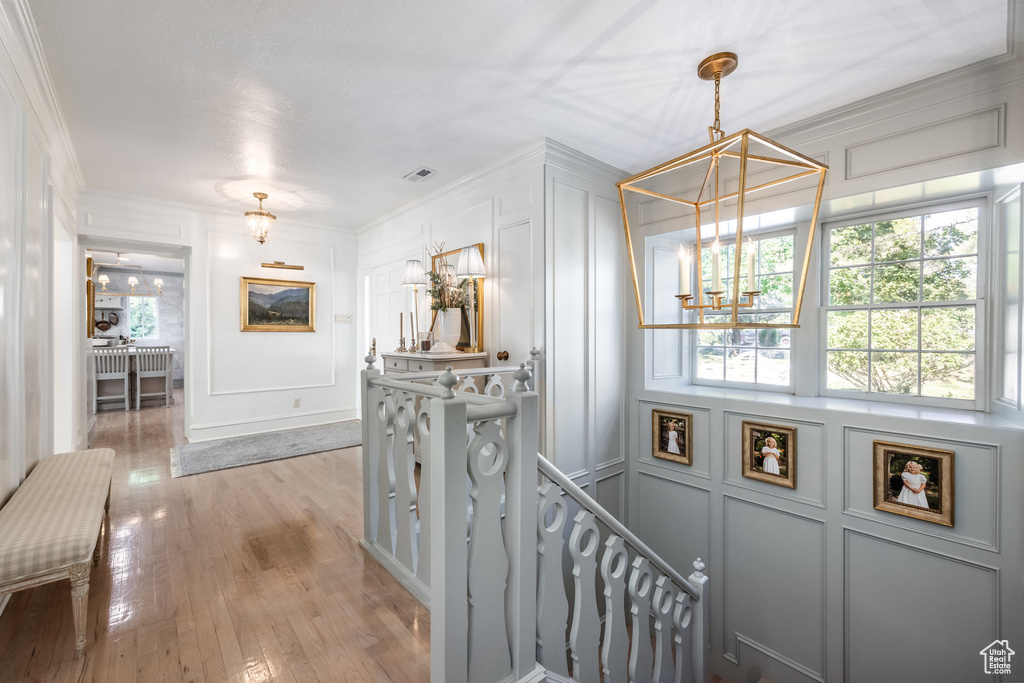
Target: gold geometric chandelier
{"type": "Point", "coordinates": [743, 181]}
{"type": "Point", "coordinates": [259, 221]}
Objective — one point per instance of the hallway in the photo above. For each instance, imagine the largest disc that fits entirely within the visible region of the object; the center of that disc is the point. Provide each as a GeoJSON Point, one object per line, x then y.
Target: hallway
{"type": "Point", "coordinates": [250, 575]}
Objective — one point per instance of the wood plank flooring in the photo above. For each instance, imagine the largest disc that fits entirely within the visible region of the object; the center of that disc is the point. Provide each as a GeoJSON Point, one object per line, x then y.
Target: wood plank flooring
{"type": "Point", "coordinates": [248, 575]}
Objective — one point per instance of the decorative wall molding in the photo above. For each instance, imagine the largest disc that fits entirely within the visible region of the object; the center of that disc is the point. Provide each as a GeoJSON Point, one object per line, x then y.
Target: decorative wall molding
{"type": "Point", "coordinates": [273, 422]}
{"type": "Point", "coordinates": [149, 225]}
{"type": "Point", "coordinates": [951, 137]}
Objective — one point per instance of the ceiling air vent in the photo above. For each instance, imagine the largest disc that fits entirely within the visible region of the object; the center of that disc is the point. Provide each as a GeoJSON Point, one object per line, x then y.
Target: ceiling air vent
{"type": "Point", "coordinates": [420, 174]}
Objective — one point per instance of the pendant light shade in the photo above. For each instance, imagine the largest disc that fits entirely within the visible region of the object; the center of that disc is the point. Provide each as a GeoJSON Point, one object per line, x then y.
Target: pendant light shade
{"type": "Point", "coordinates": [705, 203]}
{"type": "Point", "coordinates": [104, 280]}
{"type": "Point", "coordinates": [259, 221]}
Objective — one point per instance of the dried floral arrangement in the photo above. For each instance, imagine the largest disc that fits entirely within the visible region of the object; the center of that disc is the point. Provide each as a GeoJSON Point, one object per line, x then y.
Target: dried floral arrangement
{"type": "Point", "coordinates": [445, 289]}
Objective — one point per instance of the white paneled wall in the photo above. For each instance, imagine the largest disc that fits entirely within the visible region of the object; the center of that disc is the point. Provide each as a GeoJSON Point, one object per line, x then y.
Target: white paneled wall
{"type": "Point", "coordinates": [38, 171]}
{"type": "Point", "coordinates": [550, 224]}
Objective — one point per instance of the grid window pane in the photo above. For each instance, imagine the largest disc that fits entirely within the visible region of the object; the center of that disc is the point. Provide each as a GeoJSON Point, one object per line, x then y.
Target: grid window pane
{"type": "Point", "coordinates": [753, 355]}
{"type": "Point", "coordinates": [953, 279]}
{"type": "Point", "coordinates": [898, 283]}
{"type": "Point", "coordinates": [947, 375]}
{"type": "Point", "coordinates": [849, 287]}
{"type": "Point", "coordinates": [894, 373]}
{"type": "Point", "coordinates": [895, 329]}
{"type": "Point", "coordinates": [847, 370]}
{"type": "Point", "coordinates": [951, 232]}
{"type": "Point", "coordinates": [948, 329]}
{"type": "Point", "coordinates": [851, 245]}
{"type": "Point", "coordinates": [911, 349]}
{"type": "Point", "coordinates": [848, 329]}
{"type": "Point", "coordinates": [898, 239]}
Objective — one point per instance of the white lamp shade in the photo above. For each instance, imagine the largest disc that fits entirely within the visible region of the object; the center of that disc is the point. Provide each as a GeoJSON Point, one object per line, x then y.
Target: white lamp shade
{"type": "Point", "coordinates": [103, 278]}
{"type": "Point", "coordinates": [133, 280]}
{"type": "Point", "coordinates": [414, 274]}
{"type": "Point", "coordinates": [158, 282]}
{"type": "Point", "coordinates": [470, 263]}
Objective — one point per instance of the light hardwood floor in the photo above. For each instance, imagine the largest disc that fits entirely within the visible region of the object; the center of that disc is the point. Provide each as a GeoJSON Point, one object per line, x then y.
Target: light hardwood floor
{"type": "Point", "coordinates": [250, 575]}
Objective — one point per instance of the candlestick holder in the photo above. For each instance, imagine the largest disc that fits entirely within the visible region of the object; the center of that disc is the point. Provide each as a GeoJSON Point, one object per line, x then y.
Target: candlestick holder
{"type": "Point", "coordinates": [401, 347]}
{"type": "Point", "coordinates": [412, 345]}
{"type": "Point", "coordinates": [716, 301]}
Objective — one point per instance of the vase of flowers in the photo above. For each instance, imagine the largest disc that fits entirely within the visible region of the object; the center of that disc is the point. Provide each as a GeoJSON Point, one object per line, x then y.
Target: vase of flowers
{"type": "Point", "coordinates": [447, 297]}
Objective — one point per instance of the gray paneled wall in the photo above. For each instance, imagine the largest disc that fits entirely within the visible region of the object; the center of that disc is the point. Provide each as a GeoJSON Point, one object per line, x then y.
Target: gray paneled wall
{"type": "Point", "coordinates": [814, 583]}
{"type": "Point", "coordinates": [170, 313]}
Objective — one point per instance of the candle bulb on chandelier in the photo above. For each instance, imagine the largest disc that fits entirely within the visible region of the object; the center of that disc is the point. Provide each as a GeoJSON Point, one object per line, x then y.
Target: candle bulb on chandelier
{"type": "Point", "coordinates": [684, 270]}
{"type": "Point", "coordinates": [750, 265]}
{"type": "Point", "coordinates": [716, 270]}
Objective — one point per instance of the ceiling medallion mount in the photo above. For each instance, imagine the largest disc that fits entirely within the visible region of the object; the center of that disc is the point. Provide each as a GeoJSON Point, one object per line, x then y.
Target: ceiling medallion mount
{"type": "Point", "coordinates": [259, 221]}
{"type": "Point", "coordinates": [712, 185]}
{"type": "Point", "coordinates": [720, 63]}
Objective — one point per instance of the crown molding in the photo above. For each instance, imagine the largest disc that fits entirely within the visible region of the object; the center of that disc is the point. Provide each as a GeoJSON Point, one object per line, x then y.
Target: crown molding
{"type": "Point", "coordinates": [19, 38]}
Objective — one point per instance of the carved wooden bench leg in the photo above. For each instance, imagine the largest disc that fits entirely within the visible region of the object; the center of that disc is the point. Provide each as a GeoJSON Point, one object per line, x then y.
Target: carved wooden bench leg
{"type": "Point", "coordinates": [79, 603]}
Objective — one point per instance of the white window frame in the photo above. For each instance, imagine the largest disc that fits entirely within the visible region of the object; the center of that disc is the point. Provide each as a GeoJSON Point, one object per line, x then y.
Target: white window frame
{"type": "Point", "coordinates": [156, 316]}
{"type": "Point", "coordinates": [754, 386]}
{"type": "Point", "coordinates": [981, 363]}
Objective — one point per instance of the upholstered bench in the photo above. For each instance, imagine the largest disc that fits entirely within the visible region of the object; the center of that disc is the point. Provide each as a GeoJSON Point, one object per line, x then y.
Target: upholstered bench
{"type": "Point", "coordinates": [49, 527]}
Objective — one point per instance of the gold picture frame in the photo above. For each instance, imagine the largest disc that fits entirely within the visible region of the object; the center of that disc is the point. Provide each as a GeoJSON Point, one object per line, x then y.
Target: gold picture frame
{"type": "Point", "coordinates": [672, 436]}
{"type": "Point", "coordinates": [923, 492]}
{"type": "Point", "coordinates": [769, 453]}
{"type": "Point", "coordinates": [476, 290]}
{"type": "Point", "coordinates": [271, 306]}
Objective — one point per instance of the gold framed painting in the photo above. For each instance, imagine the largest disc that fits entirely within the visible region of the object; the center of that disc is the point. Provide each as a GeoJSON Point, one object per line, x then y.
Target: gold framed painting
{"type": "Point", "coordinates": [672, 436]}
{"type": "Point", "coordinates": [769, 453]}
{"type": "Point", "coordinates": [914, 481]}
{"type": "Point", "coordinates": [277, 305]}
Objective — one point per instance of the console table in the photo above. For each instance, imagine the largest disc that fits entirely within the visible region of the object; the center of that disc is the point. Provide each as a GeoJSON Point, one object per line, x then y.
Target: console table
{"type": "Point", "coordinates": [397, 363]}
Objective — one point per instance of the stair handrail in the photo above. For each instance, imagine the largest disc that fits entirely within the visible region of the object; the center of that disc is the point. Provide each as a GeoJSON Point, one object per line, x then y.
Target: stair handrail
{"type": "Point", "coordinates": [549, 470]}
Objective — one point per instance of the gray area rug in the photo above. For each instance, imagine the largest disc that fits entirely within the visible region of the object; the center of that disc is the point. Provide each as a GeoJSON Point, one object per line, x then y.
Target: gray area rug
{"type": "Point", "coordinates": [207, 456]}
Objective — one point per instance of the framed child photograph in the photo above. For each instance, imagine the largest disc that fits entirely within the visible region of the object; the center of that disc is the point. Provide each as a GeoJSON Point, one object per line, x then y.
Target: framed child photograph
{"type": "Point", "coordinates": [914, 481]}
{"type": "Point", "coordinates": [277, 305]}
{"type": "Point", "coordinates": [769, 453]}
{"type": "Point", "coordinates": [672, 436]}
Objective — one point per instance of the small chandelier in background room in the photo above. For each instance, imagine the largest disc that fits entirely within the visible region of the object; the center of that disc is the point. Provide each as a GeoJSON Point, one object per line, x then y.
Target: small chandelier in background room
{"type": "Point", "coordinates": [259, 221]}
{"type": "Point", "coordinates": [728, 186]}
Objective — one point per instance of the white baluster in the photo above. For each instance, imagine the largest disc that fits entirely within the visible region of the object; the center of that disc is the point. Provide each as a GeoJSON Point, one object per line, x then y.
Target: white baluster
{"type": "Point", "coordinates": [615, 646]}
{"type": "Point", "coordinates": [664, 602]}
{"type": "Point", "coordinates": [681, 618]}
{"type": "Point", "coordinates": [386, 473]}
{"type": "Point", "coordinates": [423, 438]}
{"type": "Point", "coordinates": [489, 656]}
{"type": "Point", "coordinates": [641, 659]}
{"type": "Point", "coordinates": [699, 635]}
{"type": "Point", "coordinates": [371, 396]}
{"type": "Point", "coordinates": [494, 387]}
{"type": "Point", "coordinates": [552, 606]}
{"type": "Point", "coordinates": [405, 482]}
{"type": "Point", "coordinates": [585, 634]}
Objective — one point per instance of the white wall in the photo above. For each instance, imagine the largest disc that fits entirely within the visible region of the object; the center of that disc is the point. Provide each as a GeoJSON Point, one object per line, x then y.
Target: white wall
{"type": "Point", "coordinates": [813, 583]}
{"type": "Point", "coordinates": [39, 177]}
{"type": "Point", "coordinates": [245, 382]}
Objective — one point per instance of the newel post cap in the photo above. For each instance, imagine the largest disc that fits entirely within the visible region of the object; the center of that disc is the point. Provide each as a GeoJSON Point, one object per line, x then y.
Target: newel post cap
{"type": "Point", "coordinates": [370, 360]}
{"type": "Point", "coordinates": [448, 380]}
{"type": "Point", "coordinates": [522, 376]}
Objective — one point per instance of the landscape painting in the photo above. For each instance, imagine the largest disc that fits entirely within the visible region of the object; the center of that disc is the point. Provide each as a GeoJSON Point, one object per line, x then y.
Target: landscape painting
{"type": "Point", "coordinates": [277, 305]}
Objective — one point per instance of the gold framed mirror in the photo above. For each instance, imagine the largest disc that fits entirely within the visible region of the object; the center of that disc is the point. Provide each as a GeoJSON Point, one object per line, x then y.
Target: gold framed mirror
{"type": "Point", "coordinates": [471, 308]}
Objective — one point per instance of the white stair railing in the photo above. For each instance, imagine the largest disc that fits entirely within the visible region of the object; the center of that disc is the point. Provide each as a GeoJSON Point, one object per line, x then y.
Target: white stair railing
{"type": "Point", "coordinates": [482, 545]}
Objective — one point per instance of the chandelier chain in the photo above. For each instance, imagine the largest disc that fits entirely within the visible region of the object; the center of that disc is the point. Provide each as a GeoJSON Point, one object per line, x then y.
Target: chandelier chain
{"type": "Point", "coordinates": [718, 105]}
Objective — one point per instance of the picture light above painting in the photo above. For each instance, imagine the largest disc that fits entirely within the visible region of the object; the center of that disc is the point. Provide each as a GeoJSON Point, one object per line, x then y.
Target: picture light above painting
{"type": "Point", "coordinates": [277, 305]}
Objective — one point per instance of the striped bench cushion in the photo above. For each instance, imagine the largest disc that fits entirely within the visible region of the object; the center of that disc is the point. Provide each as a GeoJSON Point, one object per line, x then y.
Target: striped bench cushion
{"type": "Point", "coordinates": [53, 519]}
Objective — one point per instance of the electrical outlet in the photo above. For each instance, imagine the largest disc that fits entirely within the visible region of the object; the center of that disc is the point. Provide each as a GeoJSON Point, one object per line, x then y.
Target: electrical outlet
{"type": "Point", "coordinates": [342, 318]}
{"type": "Point", "coordinates": [297, 403]}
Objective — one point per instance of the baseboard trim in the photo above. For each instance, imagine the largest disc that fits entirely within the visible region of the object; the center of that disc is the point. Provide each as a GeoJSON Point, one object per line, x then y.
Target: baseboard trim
{"type": "Point", "coordinates": [247, 427]}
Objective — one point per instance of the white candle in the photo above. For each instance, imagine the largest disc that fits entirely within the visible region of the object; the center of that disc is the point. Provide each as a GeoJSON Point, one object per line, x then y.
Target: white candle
{"type": "Point", "coordinates": [716, 270]}
{"type": "Point", "coordinates": [684, 270]}
{"type": "Point", "coordinates": [750, 265]}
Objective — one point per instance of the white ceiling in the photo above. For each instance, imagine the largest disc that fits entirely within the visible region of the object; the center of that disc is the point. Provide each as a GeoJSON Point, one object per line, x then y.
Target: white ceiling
{"type": "Point", "coordinates": [326, 104]}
